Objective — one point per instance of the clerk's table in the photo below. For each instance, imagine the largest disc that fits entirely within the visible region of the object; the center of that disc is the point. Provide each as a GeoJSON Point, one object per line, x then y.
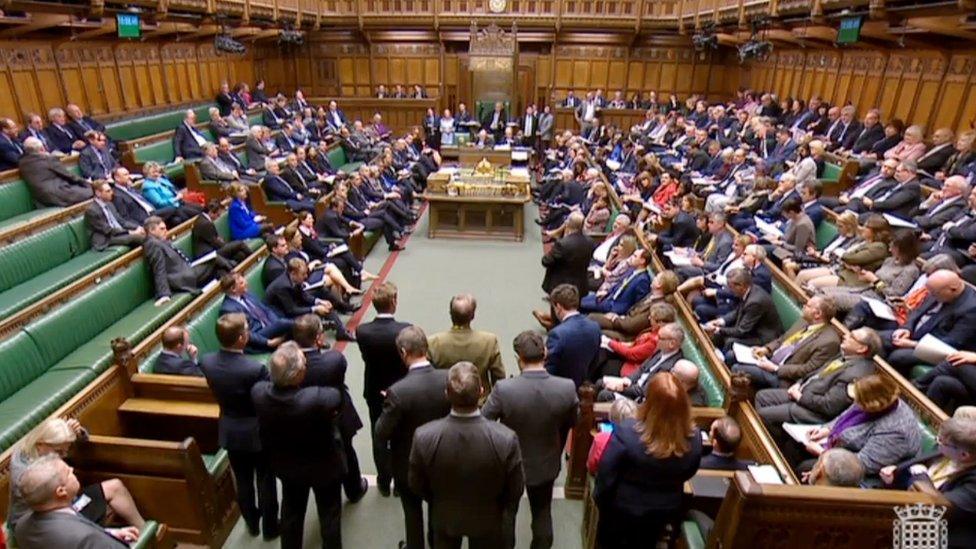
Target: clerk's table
{"type": "Point", "coordinates": [465, 203]}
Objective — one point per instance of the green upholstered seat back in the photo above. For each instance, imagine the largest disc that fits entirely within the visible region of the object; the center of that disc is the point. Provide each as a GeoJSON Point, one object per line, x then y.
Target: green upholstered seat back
{"type": "Point", "coordinates": [161, 151]}
{"type": "Point", "coordinates": [15, 199]}
{"type": "Point", "coordinates": [20, 363]}
{"type": "Point", "coordinates": [826, 232]}
{"type": "Point", "coordinates": [831, 172]}
{"type": "Point", "coordinates": [125, 130]}
{"type": "Point", "coordinates": [929, 437]}
{"type": "Point", "coordinates": [713, 388]}
{"type": "Point", "coordinates": [38, 253]}
{"type": "Point", "coordinates": [786, 307]}
{"type": "Point", "coordinates": [337, 157]}
{"type": "Point", "coordinates": [614, 212]}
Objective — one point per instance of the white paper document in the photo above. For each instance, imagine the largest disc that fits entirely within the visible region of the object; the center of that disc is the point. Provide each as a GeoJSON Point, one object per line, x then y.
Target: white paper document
{"type": "Point", "coordinates": [204, 259]}
{"type": "Point", "coordinates": [340, 249]}
{"type": "Point", "coordinates": [767, 228]}
{"type": "Point", "coordinates": [880, 309]}
{"type": "Point", "coordinates": [314, 285]}
{"type": "Point", "coordinates": [743, 354]}
{"type": "Point", "coordinates": [678, 260]}
{"type": "Point", "coordinates": [765, 474]}
{"type": "Point", "coordinates": [613, 165]}
{"type": "Point", "coordinates": [932, 350]}
{"type": "Point", "coordinates": [899, 222]}
{"type": "Point", "coordinates": [799, 432]}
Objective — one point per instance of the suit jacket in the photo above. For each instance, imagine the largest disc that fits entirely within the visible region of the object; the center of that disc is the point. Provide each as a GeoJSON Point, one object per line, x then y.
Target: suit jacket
{"type": "Point", "coordinates": [936, 157]}
{"type": "Point", "coordinates": [211, 171]}
{"type": "Point", "coordinates": [254, 323]}
{"type": "Point", "coordinates": [631, 291]}
{"type": "Point", "coordinates": [87, 123]}
{"type": "Point", "coordinates": [681, 234]}
{"type": "Point", "coordinates": [867, 138]}
{"type": "Point", "coordinates": [94, 163]}
{"type": "Point", "coordinates": [170, 270]}
{"type": "Point", "coordinates": [273, 268]}
{"type": "Point", "coordinates": [168, 363]}
{"type": "Point", "coordinates": [419, 397]}
{"type": "Point", "coordinates": [799, 234]}
{"type": "Point", "coordinates": [572, 348]}
{"type": "Point", "coordinates": [823, 396]}
{"type": "Point", "coordinates": [298, 432]}
{"type": "Point", "coordinates": [719, 252]}
{"type": "Point", "coordinates": [290, 300]}
{"type": "Point", "coordinates": [899, 201]}
{"type": "Point", "coordinates": [256, 153]}
{"type": "Point", "coordinates": [754, 321]}
{"type": "Point", "coordinates": [278, 189]}
{"type": "Point", "coordinates": [10, 152]}
{"type": "Point", "coordinates": [60, 138]}
{"type": "Point", "coordinates": [469, 470]}
{"type": "Point", "coordinates": [480, 348]}
{"type": "Point", "coordinates": [129, 205]}
{"type": "Point", "coordinates": [959, 489]}
{"type": "Point", "coordinates": [327, 368]}
{"type": "Point", "coordinates": [61, 529]}
{"type": "Point", "coordinates": [844, 139]}
{"type": "Point", "coordinates": [231, 376]}
{"type": "Point", "coordinates": [633, 323]}
{"type": "Point", "coordinates": [383, 365]}
{"type": "Point", "coordinates": [50, 183]}
{"type": "Point", "coordinates": [185, 144]}
{"type": "Point", "coordinates": [205, 237]}
{"type": "Point", "coordinates": [954, 323]}
{"type": "Point", "coordinates": [810, 353]}
{"type": "Point", "coordinates": [101, 230]}
{"type": "Point", "coordinates": [723, 463]}
{"type": "Point", "coordinates": [931, 219]}
{"type": "Point", "coordinates": [567, 262]}
{"type": "Point", "coordinates": [631, 480]}
{"type": "Point", "coordinates": [547, 126]}
{"type": "Point", "coordinates": [541, 409]}
{"type": "Point", "coordinates": [654, 364]}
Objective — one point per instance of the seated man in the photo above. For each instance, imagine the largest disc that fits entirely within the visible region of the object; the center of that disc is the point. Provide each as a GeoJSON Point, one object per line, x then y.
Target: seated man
{"type": "Point", "coordinates": [288, 295]}
{"type": "Point", "coordinates": [107, 226]}
{"type": "Point", "coordinates": [11, 148]}
{"type": "Point", "coordinates": [278, 190]}
{"type": "Point", "coordinates": [805, 347]}
{"type": "Point", "coordinates": [462, 344]}
{"type": "Point", "coordinates": [668, 353]}
{"type": "Point", "coordinates": [176, 341]}
{"type": "Point", "coordinates": [267, 329]}
{"type": "Point", "coordinates": [188, 141]}
{"type": "Point", "coordinates": [715, 253]}
{"type": "Point", "coordinates": [50, 487]}
{"type": "Point", "coordinates": [725, 435]}
{"type": "Point", "coordinates": [948, 313]}
{"type": "Point", "coordinates": [59, 136]}
{"type": "Point", "coordinates": [753, 322]}
{"type": "Point", "coordinates": [952, 383]}
{"type": "Point", "coordinates": [171, 269]}
{"type": "Point", "coordinates": [206, 239]}
{"type": "Point", "coordinates": [837, 467]}
{"type": "Point", "coordinates": [132, 205]}
{"type": "Point", "coordinates": [49, 181]}
{"type": "Point", "coordinates": [626, 293]}
{"type": "Point", "coordinates": [716, 300]}
{"type": "Point", "coordinates": [214, 168]}
{"type": "Point", "coordinates": [96, 160]}
{"type": "Point", "coordinates": [687, 373]}
{"type": "Point", "coordinates": [822, 394]}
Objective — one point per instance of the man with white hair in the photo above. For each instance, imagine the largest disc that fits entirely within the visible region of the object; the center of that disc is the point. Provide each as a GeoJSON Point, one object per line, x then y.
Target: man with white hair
{"type": "Point", "coordinates": [50, 486]}
{"type": "Point", "coordinates": [59, 134]}
{"type": "Point", "coordinates": [49, 181]}
{"type": "Point", "coordinates": [188, 141]}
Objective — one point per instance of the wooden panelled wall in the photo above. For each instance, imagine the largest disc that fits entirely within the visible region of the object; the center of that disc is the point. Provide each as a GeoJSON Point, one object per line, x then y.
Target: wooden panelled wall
{"type": "Point", "coordinates": [112, 78]}
{"type": "Point", "coordinates": [355, 70]}
{"type": "Point", "coordinates": [928, 87]}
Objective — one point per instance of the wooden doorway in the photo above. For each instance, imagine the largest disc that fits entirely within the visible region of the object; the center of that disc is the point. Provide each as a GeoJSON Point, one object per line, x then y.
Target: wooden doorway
{"type": "Point", "coordinates": [525, 88]}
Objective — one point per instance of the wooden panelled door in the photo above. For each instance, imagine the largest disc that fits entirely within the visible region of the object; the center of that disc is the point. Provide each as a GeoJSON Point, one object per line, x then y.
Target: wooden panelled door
{"type": "Point", "coordinates": [525, 86]}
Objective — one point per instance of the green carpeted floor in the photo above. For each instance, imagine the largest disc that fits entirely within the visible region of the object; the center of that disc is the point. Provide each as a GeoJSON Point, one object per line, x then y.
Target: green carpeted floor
{"type": "Point", "coordinates": [505, 279]}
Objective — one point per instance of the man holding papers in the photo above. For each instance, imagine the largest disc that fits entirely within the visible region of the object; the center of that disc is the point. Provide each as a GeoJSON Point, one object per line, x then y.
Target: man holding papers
{"type": "Point", "coordinates": [952, 383]}
{"type": "Point", "coordinates": [668, 353]}
{"type": "Point", "coordinates": [805, 347]}
{"type": "Point", "coordinates": [288, 295]}
{"type": "Point", "coordinates": [754, 321]}
{"type": "Point", "coordinates": [719, 247]}
{"type": "Point", "coordinates": [948, 313]}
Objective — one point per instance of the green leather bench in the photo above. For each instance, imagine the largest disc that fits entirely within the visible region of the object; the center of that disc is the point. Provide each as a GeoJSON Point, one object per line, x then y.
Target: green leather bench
{"type": "Point", "coordinates": [147, 536]}
{"type": "Point", "coordinates": [826, 232]}
{"type": "Point", "coordinates": [339, 161]}
{"type": "Point", "coordinates": [692, 535]}
{"type": "Point", "coordinates": [16, 205]}
{"type": "Point", "coordinates": [163, 153]}
{"type": "Point", "coordinates": [831, 173]}
{"type": "Point", "coordinates": [54, 357]}
{"type": "Point", "coordinates": [49, 260]}
{"type": "Point", "coordinates": [714, 390]}
{"type": "Point", "coordinates": [127, 130]}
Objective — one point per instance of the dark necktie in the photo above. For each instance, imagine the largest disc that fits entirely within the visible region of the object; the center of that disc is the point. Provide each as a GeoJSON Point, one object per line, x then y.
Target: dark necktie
{"type": "Point", "coordinates": [255, 310]}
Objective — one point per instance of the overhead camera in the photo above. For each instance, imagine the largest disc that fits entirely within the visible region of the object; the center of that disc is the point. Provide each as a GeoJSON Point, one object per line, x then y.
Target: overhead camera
{"type": "Point", "coordinates": [705, 38]}
{"type": "Point", "coordinates": [227, 44]}
{"type": "Point", "coordinates": [755, 49]}
{"type": "Point", "coordinates": [291, 37]}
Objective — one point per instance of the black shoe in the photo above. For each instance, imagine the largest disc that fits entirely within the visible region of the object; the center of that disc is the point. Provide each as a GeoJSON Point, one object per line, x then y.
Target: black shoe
{"type": "Point", "coordinates": [396, 248]}
{"type": "Point", "coordinates": [364, 486]}
{"type": "Point", "coordinates": [384, 490]}
{"type": "Point", "coordinates": [271, 532]}
{"type": "Point", "coordinates": [345, 336]}
{"type": "Point", "coordinates": [253, 527]}
{"type": "Point", "coordinates": [402, 545]}
{"type": "Point", "coordinates": [347, 308]}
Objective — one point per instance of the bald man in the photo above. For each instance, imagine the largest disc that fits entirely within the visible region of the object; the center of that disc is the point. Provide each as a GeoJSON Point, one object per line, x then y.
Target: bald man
{"type": "Point", "coordinates": [948, 313]}
{"type": "Point", "coordinates": [687, 373]}
{"type": "Point", "coordinates": [462, 344]}
{"type": "Point", "coordinates": [179, 356]}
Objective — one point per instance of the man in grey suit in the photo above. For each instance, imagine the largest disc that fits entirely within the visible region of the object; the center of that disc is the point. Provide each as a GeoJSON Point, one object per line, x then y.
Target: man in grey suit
{"type": "Point", "coordinates": [541, 409]}
{"type": "Point", "coordinates": [171, 269]}
{"type": "Point", "coordinates": [468, 469]}
{"type": "Point", "coordinates": [714, 254]}
{"type": "Point", "coordinates": [754, 322]}
{"type": "Point", "coordinates": [106, 224]}
{"type": "Point", "coordinates": [417, 398]}
{"type": "Point", "coordinates": [213, 168]}
{"type": "Point", "coordinates": [50, 486]}
{"type": "Point", "coordinates": [50, 183]}
{"type": "Point", "coordinates": [547, 128]}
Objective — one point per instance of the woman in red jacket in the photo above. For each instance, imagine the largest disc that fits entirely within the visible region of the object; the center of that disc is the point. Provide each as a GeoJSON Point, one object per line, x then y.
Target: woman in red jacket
{"type": "Point", "coordinates": [630, 355]}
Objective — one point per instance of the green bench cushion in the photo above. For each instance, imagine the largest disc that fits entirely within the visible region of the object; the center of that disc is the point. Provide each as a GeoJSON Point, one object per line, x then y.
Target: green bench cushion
{"type": "Point", "coordinates": [339, 161]}
{"type": "Point", "coordinates": [789, 311]}
{"type": "Point", "coordinates": [691, 535]}
{"type": "Point", "coordinates": [15, 200]}
{"type": "Point", "coordinates": [713, 388]}
{"type": "Point", "coordinates": [32, 256]}
{"type": "Point", "coordinates": [126, 130]}
{"type": "Point", "coordinates": [20, 363]}
{"type": "Point", "coordinates": [26, 217]}
{"type": "Point", "coordinates": [215, 462]}
{"type": "Point", "coordinates": [929, 437]}
{"type": "Point", "coordinates": [831, 172]}
{"type": "Point", "coordinates": [26, 408]}
{"type": "Point", "coordinates": [163, 153]}
{"type": "Point", "coordinates": [147, 535]}
{"type": "Point", "coordinates": [826, 232]}
{"type": "Point", "coordinates": [920, 370]}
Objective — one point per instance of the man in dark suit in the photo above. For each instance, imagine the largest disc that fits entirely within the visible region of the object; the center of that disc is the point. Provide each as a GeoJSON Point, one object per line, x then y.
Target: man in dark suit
{"type": "Point", "coordinates": [468, 469]}
{"type": "Point", "coordinates": [287, 295]}
{"type": "Point", "coordinates": [541, 409]}
{"type": "Point", "coordinates": [940, 151]}
{"type": "Point", "coordinates": [59, 135]}
{"type": "Point", "coordinates": [952, 383]}
{"type": "Point", "coordinates": [569, 257]}
{"type": "Point", "coordinates": [625, 293]}
{"type": "Point", "coordinates": [715, 253]}
{"type": "Point", "coordinates": [948, 313]}
{"type": "Point", "coordinates": [10, 147]}
{"type": "Point", "coordinates": [901, 199]}
{"type": "Point", "coordinates": [754, 322]}
{"type": "Point", "coordinates": [231, 377]}
{"type": "Point", "coordinates": [844, 132]}
{"type": "Point", "coordinates": [822, 394]}
{"type": "Point", "coordinates": [530, 127]}
{"type": "Point", "coordinates": [300, 438]}
{"type": "Point", "coordinates": [383, 367]}
{"type": "Point", "coordinates": [132, 205]}
{"type": "Point", "coordinates": [573, 345]}
{"type": "Point", "coordinates": [682, 231]}
{"type": "Point", "coordinates": [634, 387]}
{"type": "Point", "coordinates": [206, 239]}
{"type": "Point", "coordinates": [188, 141]}
{"type": "Point", "coordinates": [268, 328]}
{"type": "Point", "coordinates": [213, 168]}
{"type": "Point", "coordinates": [725, 435]}
{"type": "Point", "coordinates": [871, 132]}
{"type": "Point", "coordinates": [871, 186]}
{"type": "Point", "coordinates": [49, 181]}
{"type": "Point", "coordinates": [277, 189]}
{"type": "Point", "coordinates": [277, 263]}
{"type": "Point", "coordinates": [176, 341]}
{"type": "Point", "coordinates": [416, 399]}
{"type": "Point", "coordinates": [96, 160]}
{"type": "Point", "coordinates": [941, 207]}
{"type": "Point", "coordinates": [170, 267]}
{"type": "Point", "coordinates": [327, 368]}
{"type": "Point", "coordinates": [80, 123]}
{"type": "Point", "coordinates": [494, 122]}
{"type": "Point", "coordinates": [107, 226]}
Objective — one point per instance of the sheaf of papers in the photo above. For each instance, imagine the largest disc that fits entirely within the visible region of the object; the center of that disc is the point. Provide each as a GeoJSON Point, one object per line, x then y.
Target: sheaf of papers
{"type": "Point", "coordinates": [899, 222]}
{"type": "Point", "coordinates": [678, 259]}
{"type": "Point", "coordinates": [767, 228]}
{"type": "Point", "coordinates": [520, 155]}
{"type": "Point", "coordinates": [932, 350]}
{"type": "Point", "coordinates": [743, 354]}
{"type": "Point", "coordinates": [800, 432]}
{"type": "Point", "coordinates": [701, 181]}
{"type": "Point", "coordinates": [613, 165]}
{"type": "Point", "coordinates": [880, 309]}
{"type": "Point", "coordinates": [204, 259]}
{"type": "Point", "coordinates": [521, 172]}
{"type": "Point", "coordinates": [314, 285]}
{"type": "Point", "coordinates": [340, 249]}
{"type": "Point", "coordinates": [765, 474]}
{"type": "Point", "coordinates": [503, 147]}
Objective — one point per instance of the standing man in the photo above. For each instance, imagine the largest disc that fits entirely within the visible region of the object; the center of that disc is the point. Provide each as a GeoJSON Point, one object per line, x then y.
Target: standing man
{"type": "Point", "coordinates": [461, 343]}
{"type": "Point", "coordinates": [416, 399]}
{"type": "Point", "coordinates": [383, 367]}
{"type": "Point", "coordinates": [541, 409]}
{"type": "Point", "coordinates": [569, 258]}
{"type": "Point", "coordinates": [573, 345]}
{"type": "Point", "coordinates": [468, 469]}
{"type": "Point", "coordinates": [298, 432]}
{"type": "Point", "coordinates": [530, 128]}
{"type": "Point", "coordinates": [231, 376]}
{"type": "Point", "coordinates": [547, 130]}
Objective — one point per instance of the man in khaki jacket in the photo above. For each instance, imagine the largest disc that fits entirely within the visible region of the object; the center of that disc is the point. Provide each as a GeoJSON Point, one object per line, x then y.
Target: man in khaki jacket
{"type": "Point", "coordinates": [461, 343]}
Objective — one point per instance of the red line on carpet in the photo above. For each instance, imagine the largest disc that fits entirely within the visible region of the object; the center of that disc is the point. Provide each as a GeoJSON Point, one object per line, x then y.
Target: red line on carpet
{"type": "Point", "coordinates": [384, 272]}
